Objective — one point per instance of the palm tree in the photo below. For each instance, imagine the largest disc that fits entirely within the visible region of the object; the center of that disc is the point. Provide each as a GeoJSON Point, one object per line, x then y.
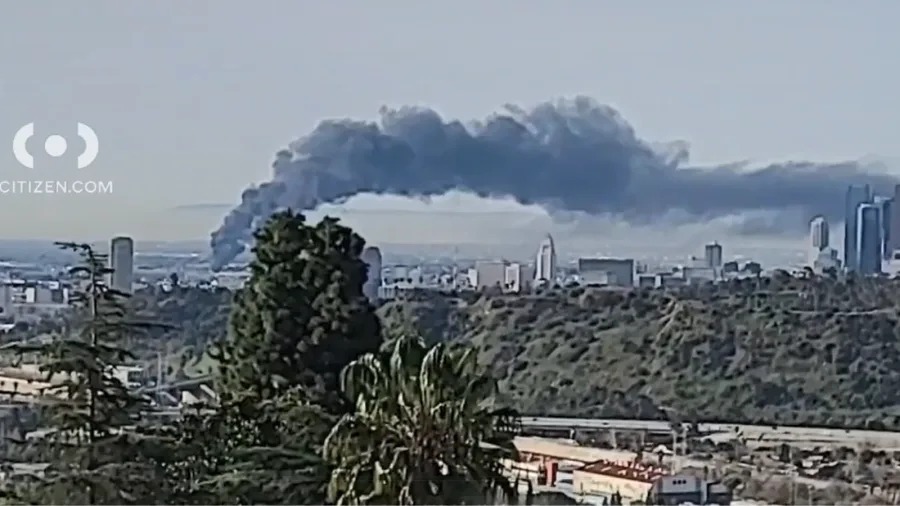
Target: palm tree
{"type": "Point", "coordinates": [424, 430]}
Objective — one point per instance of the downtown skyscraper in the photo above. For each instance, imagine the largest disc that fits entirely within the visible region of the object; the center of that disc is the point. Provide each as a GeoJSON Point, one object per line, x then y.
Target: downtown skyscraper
{"type": "Point", "coordinates": [545, 264]}
{"type": "Point", "coordinates": [869, 242]}
{"type": "Point", "coordinates": [856, 196]}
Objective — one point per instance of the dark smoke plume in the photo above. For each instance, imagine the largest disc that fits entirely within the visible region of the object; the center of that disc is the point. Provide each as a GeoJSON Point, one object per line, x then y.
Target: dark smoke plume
{"type": "Point", "coordinates": [571, 155]}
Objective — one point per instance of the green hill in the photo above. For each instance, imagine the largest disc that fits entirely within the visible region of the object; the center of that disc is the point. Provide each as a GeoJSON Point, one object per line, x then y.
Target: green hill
{"type": "Point", "coordinates": [781, 351]}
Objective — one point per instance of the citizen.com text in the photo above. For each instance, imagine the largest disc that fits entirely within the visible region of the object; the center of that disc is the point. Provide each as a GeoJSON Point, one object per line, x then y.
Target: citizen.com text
{"type": "Point", "coordinates": [55, 187]}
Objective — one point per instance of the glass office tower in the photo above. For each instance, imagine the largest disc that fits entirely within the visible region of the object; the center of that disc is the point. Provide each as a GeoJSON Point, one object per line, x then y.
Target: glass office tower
{"type": "Point", "coordinates": [869, 245]}
{"type": "Point", "coordinates": [856, 195]}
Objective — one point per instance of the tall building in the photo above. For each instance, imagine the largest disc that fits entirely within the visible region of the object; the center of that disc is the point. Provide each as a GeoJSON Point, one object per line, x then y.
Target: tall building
{"type": "Point", "coordinates": [372, 258]}
{"type": "Point", "coordinates": [518, 278]}
{"type": "Point", "coordinates": [121, 261]}
{"type": "Point", "coordinates": [894, 224]}
{"type": "Point", "coordinates": [868, 239]}
{"type": "Point", "coordinates": [545, 265]}
{"type": "Point", "coordinates": [819, 238]}
{"type": "Point", "coordinates": [887, 205]}
{"type": "Point", "coordinates": [856, 195]}
{"type": "Point", "coordinates": [489, 274]}
{"type": "Point", "coordinates": [713, 255]}
{"type": "Point", "coordinates": [818, 233]}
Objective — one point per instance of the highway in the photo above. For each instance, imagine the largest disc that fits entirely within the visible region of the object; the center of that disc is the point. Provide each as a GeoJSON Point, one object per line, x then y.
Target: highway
{"type": "Point", "coordinates": [754, 435]}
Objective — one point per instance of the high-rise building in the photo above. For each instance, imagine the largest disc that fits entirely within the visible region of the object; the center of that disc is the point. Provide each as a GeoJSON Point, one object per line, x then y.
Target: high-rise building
{"type": "Point", "coordinates": [121, 261]}
{"type": "Point", "coordinates": [856, 195]}
{"type": "Point", "coordinates": [372, 258]}
{"type": "Point", "coordinates": [518, 278]}
{"type": "Point", "coordinates": [818, 233]}
{"type": "Point", "coordinates": [887, 205]}
{"type": "Point", "coordinates": [894, 224]}
{"type": "Point", "coordinates": [545, 265]}
{"type": "Point", "coordinates": [713, 255]}
{"type": "Point", "coordinates": [819, 238]}
{"type": "Point", "coordinates": [868, 239]}
{"type": "Point", "coordinates": [489, 274]}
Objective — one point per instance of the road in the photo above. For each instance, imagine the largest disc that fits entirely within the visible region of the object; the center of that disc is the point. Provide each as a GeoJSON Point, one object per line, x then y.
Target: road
{"type": "Point", "coordinates": [754, 435]}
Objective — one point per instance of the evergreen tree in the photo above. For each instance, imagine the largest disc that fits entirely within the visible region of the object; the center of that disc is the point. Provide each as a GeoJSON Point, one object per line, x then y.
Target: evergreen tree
{"type": "Point", "coordinates": [90, 441]}
{"type": "Point", "coordinates": [302, 315]}
{"type": "Point", "coordinates": [298, 321]}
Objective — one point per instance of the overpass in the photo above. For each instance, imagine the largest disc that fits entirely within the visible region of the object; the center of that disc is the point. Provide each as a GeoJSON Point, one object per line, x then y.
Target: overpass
{"type": "Point", "coordinates": [753, 435]}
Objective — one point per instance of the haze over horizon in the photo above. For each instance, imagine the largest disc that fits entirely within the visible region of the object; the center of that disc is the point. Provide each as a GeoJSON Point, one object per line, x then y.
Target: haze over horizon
{"type": "Point", "coordinates": [191, 101]}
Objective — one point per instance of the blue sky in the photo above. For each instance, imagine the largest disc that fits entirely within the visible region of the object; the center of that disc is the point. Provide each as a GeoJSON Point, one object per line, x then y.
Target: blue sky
{"type": "Point", "coordinates": [191, 99]}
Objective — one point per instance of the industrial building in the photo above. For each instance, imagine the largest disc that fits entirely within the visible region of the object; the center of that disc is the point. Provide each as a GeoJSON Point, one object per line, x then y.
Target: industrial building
{"type": "Point", "coordinates": [608, 475]}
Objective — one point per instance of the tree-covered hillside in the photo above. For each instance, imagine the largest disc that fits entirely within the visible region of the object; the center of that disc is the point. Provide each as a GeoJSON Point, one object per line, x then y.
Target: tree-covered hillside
{"type": "Point", "coordinates": [779, 350]}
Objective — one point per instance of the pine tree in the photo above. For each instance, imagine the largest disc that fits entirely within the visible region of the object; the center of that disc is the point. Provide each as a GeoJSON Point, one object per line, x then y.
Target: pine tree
{"type": "Point", "coordinates": [90, 420]}
{"type": "Point", "coordinates": [302, 315]}
{"type": "Point", "coordinates": [298, 321]}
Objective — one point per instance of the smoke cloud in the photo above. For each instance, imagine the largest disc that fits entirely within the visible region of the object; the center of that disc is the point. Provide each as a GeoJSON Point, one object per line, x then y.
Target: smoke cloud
{"type": "Point", "coordinates": [568, 156]}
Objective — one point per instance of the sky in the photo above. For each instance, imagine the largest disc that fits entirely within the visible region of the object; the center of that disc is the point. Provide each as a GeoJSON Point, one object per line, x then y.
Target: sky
{"type": "Point", "coordinates": [191, 100]}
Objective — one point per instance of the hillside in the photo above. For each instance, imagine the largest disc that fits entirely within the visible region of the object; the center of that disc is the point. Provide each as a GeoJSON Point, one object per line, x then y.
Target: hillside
{"type": "Point", "coordinates": [782, 350]}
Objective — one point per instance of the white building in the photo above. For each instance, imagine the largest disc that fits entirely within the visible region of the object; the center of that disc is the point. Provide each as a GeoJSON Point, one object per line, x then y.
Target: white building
{"type": "Point", "coordinates": [819, 239]}
{"type": "Point", "coordinates": [488, 274]}
{"type": "Point", "coordinates": [372, 258]}
{"type": "Point", "coordinates": [826, 259]}
{"type": "Point", "coordinates": [121, 261]}
{"type": "Point", "coordinates": [518, 278]}
{"type": "Point", "coordinates": [399, 278]}
{"type": "Point", "coordinates": [545, 264]}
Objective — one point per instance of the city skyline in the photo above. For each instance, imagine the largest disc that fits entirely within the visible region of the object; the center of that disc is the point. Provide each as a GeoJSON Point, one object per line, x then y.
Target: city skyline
{"type": "Point", "coordinates": [178, 129]}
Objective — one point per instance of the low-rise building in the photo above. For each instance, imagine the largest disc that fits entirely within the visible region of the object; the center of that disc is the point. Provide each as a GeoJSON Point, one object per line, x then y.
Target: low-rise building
{"type": "Point", "coordinates": [687, 489]}
{"type": "Point", "coordinates": [629, 481]}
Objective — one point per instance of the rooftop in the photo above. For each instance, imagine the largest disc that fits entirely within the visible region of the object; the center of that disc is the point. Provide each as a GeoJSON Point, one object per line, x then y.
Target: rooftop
{"type": "Point", "coordinates": [629, 471]}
